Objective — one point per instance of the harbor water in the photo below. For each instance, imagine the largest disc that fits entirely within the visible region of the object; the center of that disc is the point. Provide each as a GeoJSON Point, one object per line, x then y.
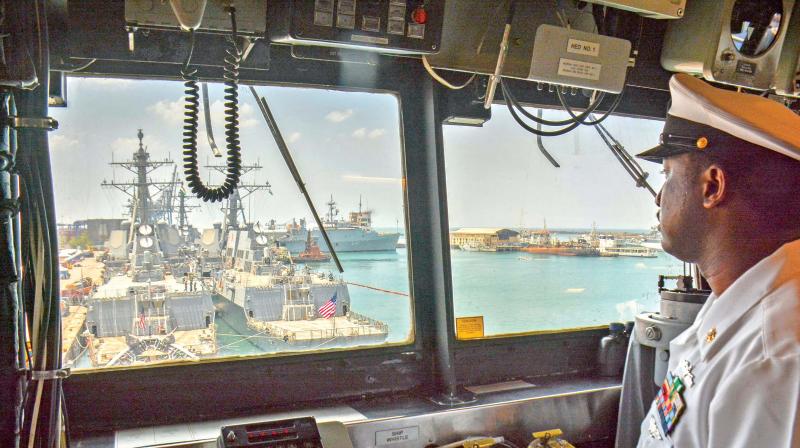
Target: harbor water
{"type": "Point", "coordinates": [514, 292]}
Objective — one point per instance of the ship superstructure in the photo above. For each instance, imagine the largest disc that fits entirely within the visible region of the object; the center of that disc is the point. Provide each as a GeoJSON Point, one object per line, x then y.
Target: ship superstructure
{"type": "Point", "coordinates": [285, 305]}
{"type": "Point", "coordinates": [352, 235]}
{"type": "Point", "coordinates": [154, 304]}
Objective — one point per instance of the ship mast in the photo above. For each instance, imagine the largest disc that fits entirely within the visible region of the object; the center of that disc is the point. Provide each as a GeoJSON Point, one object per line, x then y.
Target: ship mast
{"type": "Point", "coordinates": [143, 210]}
{"type": "Point", "coordinates": [234, 207]}
{"type": "Point", "coordinates": [332, 212]}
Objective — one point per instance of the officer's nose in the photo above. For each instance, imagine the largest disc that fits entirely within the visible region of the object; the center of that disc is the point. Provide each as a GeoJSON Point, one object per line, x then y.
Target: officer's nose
{"type": "Point", "coordinates": [658, 197]}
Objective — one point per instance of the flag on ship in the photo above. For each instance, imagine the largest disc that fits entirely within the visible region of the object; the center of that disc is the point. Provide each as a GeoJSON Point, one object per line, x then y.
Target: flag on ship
{"type": "Point", "coordinates": [328, 309]}
{"type": "Point", "coordinates": [140, 324]}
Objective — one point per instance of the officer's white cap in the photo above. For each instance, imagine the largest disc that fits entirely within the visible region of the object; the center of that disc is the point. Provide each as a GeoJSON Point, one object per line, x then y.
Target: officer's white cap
{"type": "Point", "coordinates": [705, 118]}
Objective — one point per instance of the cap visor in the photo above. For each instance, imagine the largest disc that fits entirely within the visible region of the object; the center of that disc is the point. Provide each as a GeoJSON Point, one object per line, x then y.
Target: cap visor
{"type": "Point", "coordinates": [658, 153]}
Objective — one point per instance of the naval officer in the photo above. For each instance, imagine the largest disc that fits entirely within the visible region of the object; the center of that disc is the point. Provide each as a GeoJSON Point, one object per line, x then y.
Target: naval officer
{"type": "Point", "coordinates": [731, 204]}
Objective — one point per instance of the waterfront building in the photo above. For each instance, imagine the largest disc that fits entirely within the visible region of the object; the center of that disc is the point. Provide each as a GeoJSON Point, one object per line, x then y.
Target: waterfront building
{"type": "Point", "coordinates": [482, 238]}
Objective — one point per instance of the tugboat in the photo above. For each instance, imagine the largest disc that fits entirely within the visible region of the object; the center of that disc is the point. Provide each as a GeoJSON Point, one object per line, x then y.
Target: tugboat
{"type": "Point", "coordinates": [312, 254]}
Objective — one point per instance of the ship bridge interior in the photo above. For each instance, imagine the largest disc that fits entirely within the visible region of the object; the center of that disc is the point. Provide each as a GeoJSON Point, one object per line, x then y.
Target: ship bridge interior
{"type": "Point", "coordinates": [508, 336]}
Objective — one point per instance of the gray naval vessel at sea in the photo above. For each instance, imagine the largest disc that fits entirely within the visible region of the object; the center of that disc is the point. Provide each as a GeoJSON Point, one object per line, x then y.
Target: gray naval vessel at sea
{"type": "Point", "coordinates": [153, 305]}
{"type": "Point", "coordinates": [287, 307]}
{"type": "Point", "coordinates": [352, 235]}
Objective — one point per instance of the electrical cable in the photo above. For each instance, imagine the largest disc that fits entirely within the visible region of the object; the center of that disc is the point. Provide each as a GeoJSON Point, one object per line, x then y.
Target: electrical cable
{"type": "Point", "coordinates": [534, 130]}
{"type": "Point", "coordinates": [540, 144]}
{"type": "Point", "coordinates": [78, 68]}
{"type": "Point", "coordinates": [510, 96]}
{"type": "Point", "coordinates": [443, 81]}
{"type": "Point", "coordinates": [577, 118]}
{"type": "Point", "coordinates": [40, 281]}
{"type": "Point", "coordinates": [191, 119]}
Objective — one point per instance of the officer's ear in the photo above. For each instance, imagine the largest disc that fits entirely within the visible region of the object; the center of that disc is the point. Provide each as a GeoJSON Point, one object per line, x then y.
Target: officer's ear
{"type": "Point", "coordinates": [715, 185]}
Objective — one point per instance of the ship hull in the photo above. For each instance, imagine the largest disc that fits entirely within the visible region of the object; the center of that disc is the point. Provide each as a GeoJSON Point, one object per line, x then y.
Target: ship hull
{"type": "Point", "coordinates": [111, 317]}
{"type": "Point", "coordinates": [253, 330]}
{"type": "Point", "coordinates": [562, 251]}
{"type": "Point", "coordinates": [344, 240]}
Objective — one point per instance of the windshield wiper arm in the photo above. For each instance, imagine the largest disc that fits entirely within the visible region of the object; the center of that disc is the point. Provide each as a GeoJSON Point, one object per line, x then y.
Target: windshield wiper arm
{"type": "Point", "coordinates": [207, 114]}
{"type": "Point", "coordinates": [287, 157]}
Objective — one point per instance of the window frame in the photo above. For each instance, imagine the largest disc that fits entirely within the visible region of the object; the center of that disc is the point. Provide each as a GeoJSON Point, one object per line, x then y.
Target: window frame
{"type": "Point", "coordinates": [434, 363]}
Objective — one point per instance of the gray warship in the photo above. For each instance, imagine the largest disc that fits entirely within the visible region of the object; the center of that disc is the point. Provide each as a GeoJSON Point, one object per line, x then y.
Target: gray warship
{"type": "Point", "coordinates": [352, 235]}
{"type": "Point", "coordinates": [288, 308]}
{"type": "Point", "coordinates": [154, 304]}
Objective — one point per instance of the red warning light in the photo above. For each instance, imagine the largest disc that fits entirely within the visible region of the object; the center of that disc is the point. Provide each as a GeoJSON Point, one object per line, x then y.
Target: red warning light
{"type": "Point", "coordinates": [419, 15]}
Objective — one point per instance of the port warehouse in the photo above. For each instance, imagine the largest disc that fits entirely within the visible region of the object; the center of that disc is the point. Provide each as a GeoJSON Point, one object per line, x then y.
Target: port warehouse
{"type": "Point", "coordinates": [98, 230]}
{"type": "Point", "coordinates": [478, 237]}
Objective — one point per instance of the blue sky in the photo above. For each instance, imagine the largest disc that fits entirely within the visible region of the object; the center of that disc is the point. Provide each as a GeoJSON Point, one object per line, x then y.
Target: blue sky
{"type": "Point", "coordinates": [348, 144]}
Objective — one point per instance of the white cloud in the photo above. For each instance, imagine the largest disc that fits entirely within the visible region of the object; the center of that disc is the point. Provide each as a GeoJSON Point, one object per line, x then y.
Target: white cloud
{"type": "Point", "coordinates": [104, 83]}
{"type": "Point", "coordinates": [169, 111]}
{"type": "Point", "coordinates": [375, 133]}
{"type": "Point", "coordinates": [362, 133]}
{"type": "Point", "coordinates": [293, 137]}
{"type": "Point", "coordinates": [338, 116]}
{"type": "Point", "coordinates": [125, 144]}
{"type": "Point", "coordinates": [246, 115]}
{"type": "Point", "coordinates": [61, 142]}
{"type": "Point", "coordinates": [172, 112]}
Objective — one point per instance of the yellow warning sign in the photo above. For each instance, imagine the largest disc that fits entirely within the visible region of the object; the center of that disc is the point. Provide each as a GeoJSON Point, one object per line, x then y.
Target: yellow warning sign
{"type": "Point", "coordinates": [469, 327]}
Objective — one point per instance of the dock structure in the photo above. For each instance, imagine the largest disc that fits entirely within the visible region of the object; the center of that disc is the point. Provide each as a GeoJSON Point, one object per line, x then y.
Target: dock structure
{"type": "Point", "coordinates": [72, 327]}
{"type": "Point", "coordinates": [484, 239]}
{"type": "Point", "coordinates": [86, 268]}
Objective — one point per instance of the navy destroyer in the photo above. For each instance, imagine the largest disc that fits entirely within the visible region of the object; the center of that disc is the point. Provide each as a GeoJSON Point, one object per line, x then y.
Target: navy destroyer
{"type": "Point", "coordinates": [154, 304]}
{"type": "Point", "coordinates": [287, 307]}
{"type": "Point", "coordinates": [352, 235]}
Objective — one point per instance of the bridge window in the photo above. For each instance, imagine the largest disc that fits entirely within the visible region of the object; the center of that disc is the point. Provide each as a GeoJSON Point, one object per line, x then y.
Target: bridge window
{"type": "Point", "coordinates": [537, 248]}
{"type": "Point", "coordinates": [157, 276]}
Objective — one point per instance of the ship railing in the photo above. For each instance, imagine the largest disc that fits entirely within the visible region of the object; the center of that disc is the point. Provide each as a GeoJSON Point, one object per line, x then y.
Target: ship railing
{"type": "Point", "coordinates": [121, 293]}
{"type": "Point", "coordinates": [375, 327]}
{"type": "Point", "coordinates": [366, 320]}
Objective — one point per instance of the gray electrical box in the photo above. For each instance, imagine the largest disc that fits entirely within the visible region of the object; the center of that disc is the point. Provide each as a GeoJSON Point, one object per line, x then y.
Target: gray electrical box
{"type": "Point", "coordinates": [578, 59]}
{"type": "Point", "coordinates": [472, 32]}
{"type": "Point", "coordinates": [736, 42]}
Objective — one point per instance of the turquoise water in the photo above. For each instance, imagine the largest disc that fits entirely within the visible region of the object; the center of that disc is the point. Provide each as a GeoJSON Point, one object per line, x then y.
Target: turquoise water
{"type": "Point", "coordinates": [513, 291]}
{"type": "Point", "coordinates": [519, 292]}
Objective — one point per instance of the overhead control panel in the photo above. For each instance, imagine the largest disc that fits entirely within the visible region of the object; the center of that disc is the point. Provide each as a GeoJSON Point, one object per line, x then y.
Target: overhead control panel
{"type": "Point", "coordinates": [735, 42]}
{"type": "Point", "coordinates": [387, 26]}
{"type": "Point", "coordinates": [251, 15]}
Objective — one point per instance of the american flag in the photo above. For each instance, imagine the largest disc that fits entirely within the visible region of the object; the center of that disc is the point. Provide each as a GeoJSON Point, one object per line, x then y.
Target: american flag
{"type": "Point", "coordinates": [328, 309]}
{"type": "Point", "coordinates": [140, 324]}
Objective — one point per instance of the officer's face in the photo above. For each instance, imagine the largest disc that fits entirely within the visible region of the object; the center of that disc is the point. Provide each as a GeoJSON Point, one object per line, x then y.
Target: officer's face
{"type": "Point", "coordinates": [680, 208]}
